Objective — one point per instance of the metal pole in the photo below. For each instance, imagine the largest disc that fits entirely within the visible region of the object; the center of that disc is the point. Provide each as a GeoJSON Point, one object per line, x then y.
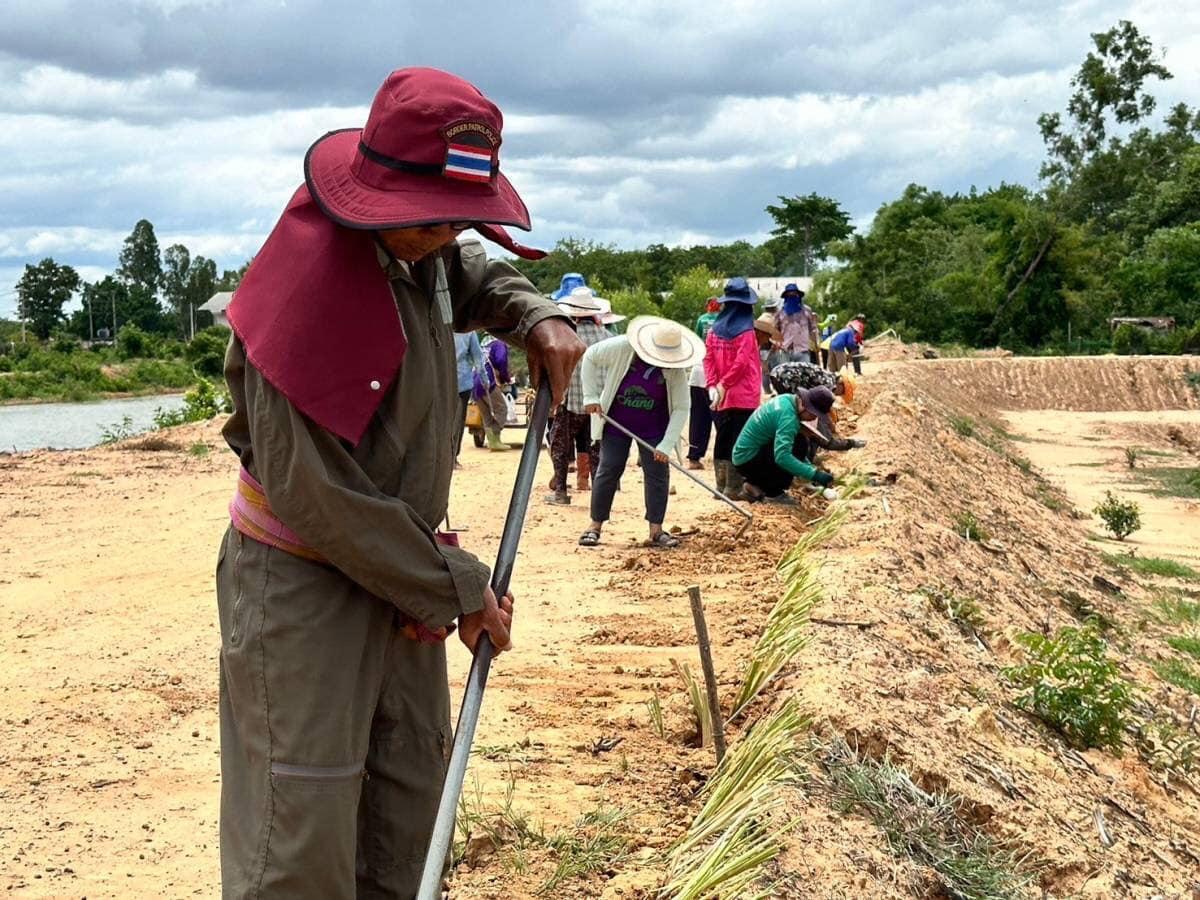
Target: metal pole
{"type": "Point", "coordinates": [468, 716]}
{"type": "Point", "coordinates": [710, 676]}
{"type": "Point", "coordinates": [741, 512]}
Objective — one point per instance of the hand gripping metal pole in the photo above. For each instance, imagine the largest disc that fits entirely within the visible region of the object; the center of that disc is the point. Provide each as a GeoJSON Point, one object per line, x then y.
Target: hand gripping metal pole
{"type": "Point", "coordinates": [674, 465]}
{"type": "Point", "coordinates": [468, 716]}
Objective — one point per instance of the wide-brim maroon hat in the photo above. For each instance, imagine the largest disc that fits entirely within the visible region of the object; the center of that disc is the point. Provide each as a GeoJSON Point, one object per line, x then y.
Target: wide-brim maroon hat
{"type": "Point", "coordinates": [429, 153]}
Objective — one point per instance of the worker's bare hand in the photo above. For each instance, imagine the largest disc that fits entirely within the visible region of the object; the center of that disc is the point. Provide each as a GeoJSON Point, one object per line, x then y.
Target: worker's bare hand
{"type": "Point", "coordinates": [661, 457]}
{"type": "Point", "coordinates": [552, 346]}
{"type": "Point", "coordinates": [593, 408]}
{"type": "Point", "coordinates": [495, 619]}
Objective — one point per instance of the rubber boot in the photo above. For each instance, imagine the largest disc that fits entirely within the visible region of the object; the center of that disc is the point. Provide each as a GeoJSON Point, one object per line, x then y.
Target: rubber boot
{"type": "Point", "coordinates": [494, 443]}
{"type": "Point", "coordinates": [720, 468]}
{"type": "Point", "coordinates": [583, 472]}
{"type": "Point", "coordinates": [733, 482]}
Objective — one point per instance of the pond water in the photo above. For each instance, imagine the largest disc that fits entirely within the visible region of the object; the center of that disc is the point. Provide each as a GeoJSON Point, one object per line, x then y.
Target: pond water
{"type": "Point", "coordinates": [71, 426]}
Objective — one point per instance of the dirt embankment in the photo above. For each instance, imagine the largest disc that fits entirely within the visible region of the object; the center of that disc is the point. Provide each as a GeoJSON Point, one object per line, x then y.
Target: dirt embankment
{"type": "Point", "coordinates": [108, 646]}
{"type": "Point", "coordinates": [923, 689]}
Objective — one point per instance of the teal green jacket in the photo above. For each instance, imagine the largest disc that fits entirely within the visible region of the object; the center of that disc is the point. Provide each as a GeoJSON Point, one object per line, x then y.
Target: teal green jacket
{"type": "Point", "coordinates": [776, 424]}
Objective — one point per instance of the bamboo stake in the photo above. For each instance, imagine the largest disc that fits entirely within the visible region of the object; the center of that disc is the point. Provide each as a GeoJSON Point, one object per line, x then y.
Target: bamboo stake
{"type": "Point", "coordinates": [710, 675]}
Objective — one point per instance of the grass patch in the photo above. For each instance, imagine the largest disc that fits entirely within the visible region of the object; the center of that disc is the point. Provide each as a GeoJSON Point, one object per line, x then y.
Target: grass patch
{"type": "Point", "coordinates": [595, 843]}
{"type": "Point", "coordinates": [198, 450]}
{"type": "Point", "coordinates": [966, 524]}
{"type": "Point", "coordinates": [1180, 674]}
{"type": "Point", "coordinates": [963, 612]}
{"type": "Point", "coordinates": [924, 826]}
{"type": "Point", "coordinates": [1188, 645]}
{"type": "Point", "coordinates": [964, 425]}
{"type": "Point", "coordinates": [1173, 481]}
{"type": "Point", "coordinates": [1054, 499]}
{"type": "Point", "coordinates": [1152, 565]}
{"type": "Point", "coordinates": [1175, 610]}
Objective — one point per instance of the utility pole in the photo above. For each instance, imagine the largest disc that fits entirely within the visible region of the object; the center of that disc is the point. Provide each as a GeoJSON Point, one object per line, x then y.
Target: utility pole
{"type": "Point", "coordinates": [91, 326]}
{"type": "Point", "coordinates": [114, 311]}
{"type": "Point", "coordinates": [192, 311]}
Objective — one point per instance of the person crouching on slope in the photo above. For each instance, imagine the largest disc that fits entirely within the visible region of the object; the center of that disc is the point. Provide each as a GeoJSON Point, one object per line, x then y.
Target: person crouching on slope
{"type": "Point", "coordinates": [774, 447]}
{"type": "Point", "coordinates": [640, 381]}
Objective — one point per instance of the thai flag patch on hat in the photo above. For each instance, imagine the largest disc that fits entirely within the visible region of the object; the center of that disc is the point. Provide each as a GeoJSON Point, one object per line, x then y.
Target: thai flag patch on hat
{"type": "Point", "coordinates": [470, 152]}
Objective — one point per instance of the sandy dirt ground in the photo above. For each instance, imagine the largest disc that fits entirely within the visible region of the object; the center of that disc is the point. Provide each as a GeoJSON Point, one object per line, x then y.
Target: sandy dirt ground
{"type": "Point", "coordinates": [108, 648]}
{"type": "Point", "coordinates": [108, 639]}
{"type": "Point", "coordinates": [1084, 453]}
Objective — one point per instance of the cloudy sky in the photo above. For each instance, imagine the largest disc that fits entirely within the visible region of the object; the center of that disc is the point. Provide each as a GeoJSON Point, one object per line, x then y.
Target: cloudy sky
{"type": "Point", "coordinates": [626, 122]}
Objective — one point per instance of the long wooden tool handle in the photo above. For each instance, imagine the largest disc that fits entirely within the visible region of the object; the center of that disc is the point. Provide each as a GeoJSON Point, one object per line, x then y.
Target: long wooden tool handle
{"type": "Point", "coordinates": [674, 465]}
{"type": "Point", "coordinates": [468, 717]}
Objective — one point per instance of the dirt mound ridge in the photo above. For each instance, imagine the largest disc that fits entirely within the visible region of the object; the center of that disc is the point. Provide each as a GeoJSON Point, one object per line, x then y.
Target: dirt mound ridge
{"type": "Point", "coordinates": [918, 679]}
{"type": "Point", "coordinates": [1073, 383]}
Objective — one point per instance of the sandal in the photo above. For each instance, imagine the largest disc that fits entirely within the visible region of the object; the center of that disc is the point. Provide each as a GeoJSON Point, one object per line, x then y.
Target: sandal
{"type": "Point", "coordinates": [663, 540]}
{"type": "Point", "coordinates": [589, 538]}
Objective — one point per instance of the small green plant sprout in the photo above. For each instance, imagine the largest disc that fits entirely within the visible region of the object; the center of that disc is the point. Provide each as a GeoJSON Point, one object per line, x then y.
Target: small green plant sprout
{"type": "Point", "coordinates": [654, 707]}
{"type": "Point", "coordinates": [198, 449]}
{"type": "Point", "coordinates": [698, 699]}
{"type": "Point", "coordinates": [1071, 685]}
{"type": "Point", "coordinates": [1131, 457]}
{"type": "Point", "coordinates": [964, 425]}
{"type": "Point", "coordinates": [1167, 748]}
{"type": "Point", "coordinates": [963, 612]}
{"type": "Point", "coordinates": [1121, 517]}
{"type": "Point", "coordinates": [118, 431]}
{"type": "Point", "coordinates": [966, 524]}
{"type": "Point", "coordinates": [1180, 674]}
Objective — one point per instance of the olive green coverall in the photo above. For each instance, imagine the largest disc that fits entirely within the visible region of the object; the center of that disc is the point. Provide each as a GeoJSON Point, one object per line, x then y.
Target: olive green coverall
{"type": "Point", "coordinates": [335, 727]}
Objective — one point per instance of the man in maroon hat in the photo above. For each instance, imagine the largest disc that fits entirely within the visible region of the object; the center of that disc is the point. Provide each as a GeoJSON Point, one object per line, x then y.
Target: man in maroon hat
{"type": "Point", "coordinates": [335, 590]}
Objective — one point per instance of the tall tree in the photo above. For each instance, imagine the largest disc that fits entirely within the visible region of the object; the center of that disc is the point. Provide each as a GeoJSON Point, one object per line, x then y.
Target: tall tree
{"type": "Point", "coordinates": [105, 299]}
{"type": "Point", "coordinates": [808, 225]}
{"type": "Point", "coordinates": [42, 293]}
{"type": "Point", "coordinates": [140, 262]}
{"type": "Point", "coordinates": [1109, 89]}
{"type": "Point", "coordinates": [176, 262]}
{"type": "Point", "coordinates": [201, 283]}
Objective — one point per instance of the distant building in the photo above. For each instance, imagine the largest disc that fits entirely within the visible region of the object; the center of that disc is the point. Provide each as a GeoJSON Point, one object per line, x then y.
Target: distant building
{"type": "Point", "coordinates": [772, 286]}
{"type": "Point", "coordinates": [216, 305]}
{"type": "Point", "coordinates": [1149, 323]}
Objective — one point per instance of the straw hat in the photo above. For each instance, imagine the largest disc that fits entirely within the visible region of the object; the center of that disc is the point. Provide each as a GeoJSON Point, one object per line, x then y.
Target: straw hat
{"type": "Point", "coordinates": [766, 324]}
{"type": "Point", "coordinates": [581, 303]}
{"type": "Point", "coordinates": [663, 343]}
{"type": "Point", "coordinates": [607, 316]}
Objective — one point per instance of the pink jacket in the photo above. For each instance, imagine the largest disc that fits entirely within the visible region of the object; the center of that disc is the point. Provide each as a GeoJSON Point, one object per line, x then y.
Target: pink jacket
{"type": "Point", "coordinates": [734, 364]}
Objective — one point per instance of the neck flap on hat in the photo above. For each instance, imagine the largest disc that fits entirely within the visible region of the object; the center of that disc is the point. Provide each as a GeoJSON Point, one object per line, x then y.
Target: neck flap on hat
{"type": "Point", "coordinates": [317, 318]}
{"type": "Point", "coordinates": [734, 319]}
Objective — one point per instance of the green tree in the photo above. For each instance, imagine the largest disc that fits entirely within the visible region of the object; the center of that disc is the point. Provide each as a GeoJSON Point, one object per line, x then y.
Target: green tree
{"type": "Point", "coordinates": [201, 285]}
{"type": "Point", "coordinates": [689, 293]}
{"type": "Point", "coordinates": [176, 262]}
{"type": "Point", "coordinates": [1109, 89]}
{"type": "Point", "coordinates": [42, 292]}
{"type": "Point", "coordinates": [140, 261]}
{"type": "Point", "coordinates": [808, 224]}
{"type": "Point", "coordinates": [104, 299]}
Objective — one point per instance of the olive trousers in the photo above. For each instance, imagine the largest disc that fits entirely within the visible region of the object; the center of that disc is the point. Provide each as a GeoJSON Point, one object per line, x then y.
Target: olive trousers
{"type": "Point", "coordinates": [335, 732]}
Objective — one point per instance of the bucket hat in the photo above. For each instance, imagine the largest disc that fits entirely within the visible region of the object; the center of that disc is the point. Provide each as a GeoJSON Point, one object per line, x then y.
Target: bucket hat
{"type": "Point", "coordinates": [663, 343]}
{"type": "Point", "coordinates": [429, 153]}
{"type": "Point", "coordinates": [791, 288]}
{"type": "Point", "coordinates": [738, 290]}
{"type": "Point", "coordinates": [569, 282]}
{"type": "Point", "coordinates": [582, 303]}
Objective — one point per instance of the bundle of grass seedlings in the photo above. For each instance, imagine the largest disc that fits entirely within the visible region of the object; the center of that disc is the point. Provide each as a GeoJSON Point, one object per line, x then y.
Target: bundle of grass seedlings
{"type": "Point", "coordinates": [786, 632]}
{"type": "Point", "coordinates": [731, 838]}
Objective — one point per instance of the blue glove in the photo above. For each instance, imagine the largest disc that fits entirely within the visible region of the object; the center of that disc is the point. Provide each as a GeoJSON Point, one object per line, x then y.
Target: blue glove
{"type": "Point", "coordinates": [824, 479]}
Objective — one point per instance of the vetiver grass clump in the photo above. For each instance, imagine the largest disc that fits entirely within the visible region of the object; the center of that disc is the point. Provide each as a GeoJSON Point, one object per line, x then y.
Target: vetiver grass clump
{"type": "Point", "coordinates": [1070, 684]}
{"type": "Point", "coordinates": [1153, 565]}
{"type": "Point", "coordinates": [925, 827]}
